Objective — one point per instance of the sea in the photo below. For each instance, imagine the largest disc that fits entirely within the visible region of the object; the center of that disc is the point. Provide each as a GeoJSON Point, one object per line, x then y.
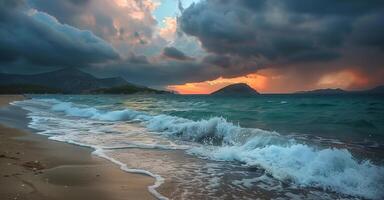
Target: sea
{"type": "Point", "coordinates": [218, 147]}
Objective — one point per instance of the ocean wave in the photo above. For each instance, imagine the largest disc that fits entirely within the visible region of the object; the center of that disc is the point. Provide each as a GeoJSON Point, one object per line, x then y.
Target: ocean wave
{"type": "Point", "coordinates": [330, 168]}
{"type": "Point", "coordinates": [284, 158]}
{"type": "Point", "coordinates": [72, 110]}
{"type": "Point", "coordinates": [216, 130]}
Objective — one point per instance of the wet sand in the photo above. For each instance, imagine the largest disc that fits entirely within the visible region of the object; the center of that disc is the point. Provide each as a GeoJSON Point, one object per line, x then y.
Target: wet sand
{"type": "Point", "coordinates": [35, 168]}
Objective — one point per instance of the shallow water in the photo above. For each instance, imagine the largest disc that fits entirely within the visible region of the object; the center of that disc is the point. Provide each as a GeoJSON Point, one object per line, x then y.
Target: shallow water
{"type": "Point", "coordinates": [276, 146]}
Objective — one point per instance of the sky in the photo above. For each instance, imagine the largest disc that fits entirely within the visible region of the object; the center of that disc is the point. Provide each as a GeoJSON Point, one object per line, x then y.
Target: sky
{"type": "Point", "coordinates": [198, 46]}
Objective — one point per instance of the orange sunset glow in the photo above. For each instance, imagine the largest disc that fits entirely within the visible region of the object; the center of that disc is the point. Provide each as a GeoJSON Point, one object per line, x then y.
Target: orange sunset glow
{"type": "Point", "coordinates": [271, 81]}
{"type": "Point", "coordinates": [346, 79]}
{"type": "Point", "coordinates": [256, 81]}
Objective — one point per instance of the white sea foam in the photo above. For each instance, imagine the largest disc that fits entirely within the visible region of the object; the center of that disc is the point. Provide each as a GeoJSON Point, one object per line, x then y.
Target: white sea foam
{"type": "Point", "coordinates": [93, 113]}
{"type": "Point", "coordinates": [206, 131]}
{"type": "Point", "coordinates": [100, 152]}
{"type": "Point", "coordinates": [283, 158]}
{"type": "Point", "coordinates": [333, 169]}
{"type": "Point", "coordinates": [124, 167]}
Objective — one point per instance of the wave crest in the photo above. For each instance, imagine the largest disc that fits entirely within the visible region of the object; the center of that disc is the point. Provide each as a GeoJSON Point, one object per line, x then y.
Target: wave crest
{"type": "Point", "coordinates": [333, 169]}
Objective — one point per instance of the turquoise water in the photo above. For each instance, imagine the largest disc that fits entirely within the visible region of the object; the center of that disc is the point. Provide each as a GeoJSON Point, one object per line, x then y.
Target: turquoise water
{"type": "Point", "coordinates": [350, 118]}
{"type": "Point", "coordinates": [271, 146]}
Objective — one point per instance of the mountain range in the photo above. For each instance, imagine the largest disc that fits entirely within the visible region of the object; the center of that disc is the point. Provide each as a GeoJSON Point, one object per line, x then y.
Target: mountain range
{"type": "Point", "coordinates": [67, 80]}
{"type": "Point", "coordinates": [337, 91]}
{"type": "Point", "coordinates": [242, 89]}
{"type": "Point", "coordinates": [75, 81]}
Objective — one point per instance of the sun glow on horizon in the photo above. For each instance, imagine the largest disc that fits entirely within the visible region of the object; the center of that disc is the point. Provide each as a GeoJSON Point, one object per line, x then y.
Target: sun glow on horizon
{"type": "Point", "coordinates": [270, 81]}
{"type": "Point", "coordinates": [256, 81]}
{"type": "Point", "coordinates": [342, 79]}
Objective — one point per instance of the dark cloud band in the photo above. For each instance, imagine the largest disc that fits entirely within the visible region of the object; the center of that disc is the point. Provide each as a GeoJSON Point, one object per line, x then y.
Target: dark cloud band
{"type": "Point", "coordinates": [173, 53]}
{"type": "Point", "coordinates": [279, 30]}
{"type": "Point", "coordinates": [38, 38]}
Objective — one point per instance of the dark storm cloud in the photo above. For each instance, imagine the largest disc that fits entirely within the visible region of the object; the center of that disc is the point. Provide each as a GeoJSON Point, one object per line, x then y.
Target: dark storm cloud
{"type": "Point", "coordinates": [36, 38]}
{"type": "Point", "coordinates": [280, 30]}
{"type": "Point", "coordinates": [309, 38]}
{"type": "Point", "coordinates": [232, 65]}
{"type": "Point", "coordinates": [370, 31]}
{"type": "Point", "coordinates": [137, 59]}
{"type": "Point", "coordinates": [160, 73]}
{"type": "Point", "coordinates": [218, 60]}
{"type": "Point", "coordinates": [173, 53]}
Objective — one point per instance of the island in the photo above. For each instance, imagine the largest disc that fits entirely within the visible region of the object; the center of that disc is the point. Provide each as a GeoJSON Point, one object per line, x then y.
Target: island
{"type": "Point", "coordinates": [238, 89]}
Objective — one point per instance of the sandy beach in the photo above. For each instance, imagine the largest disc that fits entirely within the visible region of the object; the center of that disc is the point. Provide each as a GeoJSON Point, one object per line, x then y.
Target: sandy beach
{"type": "Point", "coordinates": [33, 167]}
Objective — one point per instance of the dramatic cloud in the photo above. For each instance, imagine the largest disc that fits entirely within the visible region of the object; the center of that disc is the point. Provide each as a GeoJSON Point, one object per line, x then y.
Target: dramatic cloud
{"type": "Point", "coordinates": [173, 53]}
{"type": "Point", "coordinates": [309, 36]}
{"type": "Point", "coordinates": [292, 44]}
{"type": "Point", "coordinates": [35, 37]}
{"type": "Point", "coordinates": [289, 31]}
{"type": "Point", "coordinates": [157, 74]}
{"type": "Point", "coordinates": [127, 24]}
{"type": "Point", "coordinates": [370, 31]}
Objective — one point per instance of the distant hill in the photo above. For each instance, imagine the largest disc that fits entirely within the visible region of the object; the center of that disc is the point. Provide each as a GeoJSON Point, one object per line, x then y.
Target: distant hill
{"type": "Point", "coordinates": [376, 90]}
{"type": "Point", "coordinates": [239, 89]}
{"type": "Point", "coordinates": [67, 80]}
{"type": "Point", "coordinates": [323, 91]}
{"type": "Point", "coordinates": [128, 89]}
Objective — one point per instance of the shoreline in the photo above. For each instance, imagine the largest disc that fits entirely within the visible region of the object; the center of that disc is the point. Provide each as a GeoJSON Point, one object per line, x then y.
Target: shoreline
{"type": "Point", "coordinates": [206, 172]}
{"type": "Point", "coordinates": [34, 167]}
